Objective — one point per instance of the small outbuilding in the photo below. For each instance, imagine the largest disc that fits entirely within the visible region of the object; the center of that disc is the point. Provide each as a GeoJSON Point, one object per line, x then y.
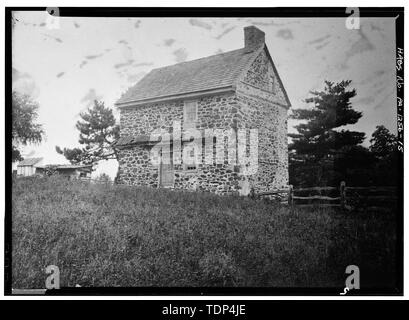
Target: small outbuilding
{"type": "Point", "coordinates": [68, 170]}
{"type": "Point", "coordinates": [28, 166]}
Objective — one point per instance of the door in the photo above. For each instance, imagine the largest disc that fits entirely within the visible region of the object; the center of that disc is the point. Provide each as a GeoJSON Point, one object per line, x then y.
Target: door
{"type": "Point", "coordinates": [166, 174]}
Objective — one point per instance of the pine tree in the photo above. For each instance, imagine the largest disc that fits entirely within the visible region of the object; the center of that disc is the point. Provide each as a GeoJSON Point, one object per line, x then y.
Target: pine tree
{"type": "Point", "coordinates": [98, 132]}
{"type": "Point", "coordinates": [319, 144]}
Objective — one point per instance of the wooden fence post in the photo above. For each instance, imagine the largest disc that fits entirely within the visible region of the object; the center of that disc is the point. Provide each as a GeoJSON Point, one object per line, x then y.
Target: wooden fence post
{"type": "Point", "coordinates": [342, 194]}
{"type": "Point", "coordinates": [290, 195]}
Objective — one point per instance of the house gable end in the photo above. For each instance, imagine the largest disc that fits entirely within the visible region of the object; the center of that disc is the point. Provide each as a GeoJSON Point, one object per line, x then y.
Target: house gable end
{"type": "Point", "coordinates": [261, 75]}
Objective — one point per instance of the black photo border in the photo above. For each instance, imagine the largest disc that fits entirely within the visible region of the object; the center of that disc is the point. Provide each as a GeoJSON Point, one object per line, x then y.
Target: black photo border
{"type": "Point", "coordinates": [265, 12]}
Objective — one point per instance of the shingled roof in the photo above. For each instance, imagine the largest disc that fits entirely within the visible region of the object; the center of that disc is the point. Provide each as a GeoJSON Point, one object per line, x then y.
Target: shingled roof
{"type": "Point", "coordinates": [214, 72]}
{"type": "Point", "coordinates": [29, 162]}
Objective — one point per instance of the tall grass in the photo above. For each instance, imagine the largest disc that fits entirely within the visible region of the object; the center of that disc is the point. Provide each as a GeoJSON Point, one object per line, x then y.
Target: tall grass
{"type": "Point", "coordinates": [102, 235]}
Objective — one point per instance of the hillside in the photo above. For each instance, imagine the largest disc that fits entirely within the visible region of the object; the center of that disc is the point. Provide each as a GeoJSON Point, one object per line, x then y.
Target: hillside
{"type": "Point", "coordinates": [103, 235]}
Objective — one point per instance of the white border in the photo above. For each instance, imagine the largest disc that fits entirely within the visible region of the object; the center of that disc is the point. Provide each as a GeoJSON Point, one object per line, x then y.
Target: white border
{"type": "Point", "coordinates": [186, 3]}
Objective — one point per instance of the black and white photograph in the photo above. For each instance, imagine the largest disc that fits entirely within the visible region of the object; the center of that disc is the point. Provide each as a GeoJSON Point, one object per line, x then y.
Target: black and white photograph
{"type": "Point", "coordinates": [253, 151]}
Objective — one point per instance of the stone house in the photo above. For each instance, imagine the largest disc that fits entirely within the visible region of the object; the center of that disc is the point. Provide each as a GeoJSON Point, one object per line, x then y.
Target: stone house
{"type": "Point", "coordinates": [28, 166]}
{"type": "Point", "coordinates": [201, 116]}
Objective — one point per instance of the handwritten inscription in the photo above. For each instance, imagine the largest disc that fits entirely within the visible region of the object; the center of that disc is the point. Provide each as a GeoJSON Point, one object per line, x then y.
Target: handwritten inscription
{"type": "Point", "coordinates": [399, 86]}
{"type": "Point", "coordinates": [399, 59]}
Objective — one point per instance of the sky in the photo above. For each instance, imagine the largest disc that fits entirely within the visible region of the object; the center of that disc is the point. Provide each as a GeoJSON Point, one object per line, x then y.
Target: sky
{"type": "Point", "coordinates": [65, 67]}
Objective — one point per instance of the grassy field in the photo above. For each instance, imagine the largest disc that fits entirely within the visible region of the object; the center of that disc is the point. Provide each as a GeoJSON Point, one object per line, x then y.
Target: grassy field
{"type": "Point", "coordinates": [102, 235]}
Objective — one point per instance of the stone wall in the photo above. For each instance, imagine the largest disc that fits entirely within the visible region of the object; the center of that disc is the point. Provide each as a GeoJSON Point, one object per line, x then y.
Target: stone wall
{"type": "Point", "coordinates": [263, 105]}
{"type": "Point", "coordinates": [271, 121]}
{"type": "Point", "coordinates": [214, 112]}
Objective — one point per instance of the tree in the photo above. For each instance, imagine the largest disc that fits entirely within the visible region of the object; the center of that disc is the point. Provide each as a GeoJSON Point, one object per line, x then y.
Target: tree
{"type": "Point", "coordinates": [317, 149]}
{"type": "Point", "coordinates": [25, 130]}
{"type": "Point", "coordinates": [384, 146]}
{"type": "Point", "coordinates": [383, 142]}
{"type": "Point", "coordinates": [98, 132]}
{"type": "Point", "coordinates": [104, 178]}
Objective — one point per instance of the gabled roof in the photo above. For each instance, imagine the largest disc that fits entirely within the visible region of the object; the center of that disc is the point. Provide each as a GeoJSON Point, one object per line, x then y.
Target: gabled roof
{"type": "Point", "coordinates": [29, 162]}
{"type": "Point", "coordinates": [214, 72]}
{"type": "Point", "coordinates": [287, 99]}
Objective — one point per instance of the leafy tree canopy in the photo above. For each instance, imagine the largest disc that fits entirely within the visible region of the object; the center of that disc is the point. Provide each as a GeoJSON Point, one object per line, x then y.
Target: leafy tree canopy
{"type": "Point", "coordinates": [25, 130]}
{"type": "Point", "coordinates": [383, 142]}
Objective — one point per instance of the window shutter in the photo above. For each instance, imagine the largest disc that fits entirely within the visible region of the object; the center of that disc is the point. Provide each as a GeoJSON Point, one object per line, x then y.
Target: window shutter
{"type": "Point", "coordinates": [190, 111]}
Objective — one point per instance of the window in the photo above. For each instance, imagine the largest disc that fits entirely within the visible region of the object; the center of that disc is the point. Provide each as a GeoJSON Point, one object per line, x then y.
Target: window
{"type": "Point", "coordinates": [190, 111]}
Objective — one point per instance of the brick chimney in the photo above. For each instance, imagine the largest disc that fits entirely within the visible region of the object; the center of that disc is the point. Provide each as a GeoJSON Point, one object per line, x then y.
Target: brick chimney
{"type": "Point", "coordinates": [253, 38]}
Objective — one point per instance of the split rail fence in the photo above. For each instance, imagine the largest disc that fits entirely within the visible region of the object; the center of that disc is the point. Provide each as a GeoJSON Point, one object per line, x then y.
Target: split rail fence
{"type": "Point", "coordinates": [342, 196]}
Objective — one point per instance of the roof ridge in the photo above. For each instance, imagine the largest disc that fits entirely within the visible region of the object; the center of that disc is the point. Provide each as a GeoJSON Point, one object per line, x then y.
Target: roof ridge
{"type": "Point", "coordinates": [30, 161]}
{"type": "Point", "coordinates": [207, 57]}
{"type": "Point", "coordinates": [215, 71]}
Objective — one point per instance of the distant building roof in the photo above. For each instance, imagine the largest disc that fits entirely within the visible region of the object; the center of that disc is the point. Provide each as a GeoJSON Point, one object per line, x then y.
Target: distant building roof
{"type": "Point", "coordinates": [29, 162]}
{"type": "Point", "coordinates": [214, 72]}
{"type": "Point", "coordinates": [67, 166]}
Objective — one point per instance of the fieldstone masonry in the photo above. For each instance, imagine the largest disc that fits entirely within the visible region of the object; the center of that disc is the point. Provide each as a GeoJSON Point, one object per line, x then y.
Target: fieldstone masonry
{"type": "Point", "coordinates": [256, 101]}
